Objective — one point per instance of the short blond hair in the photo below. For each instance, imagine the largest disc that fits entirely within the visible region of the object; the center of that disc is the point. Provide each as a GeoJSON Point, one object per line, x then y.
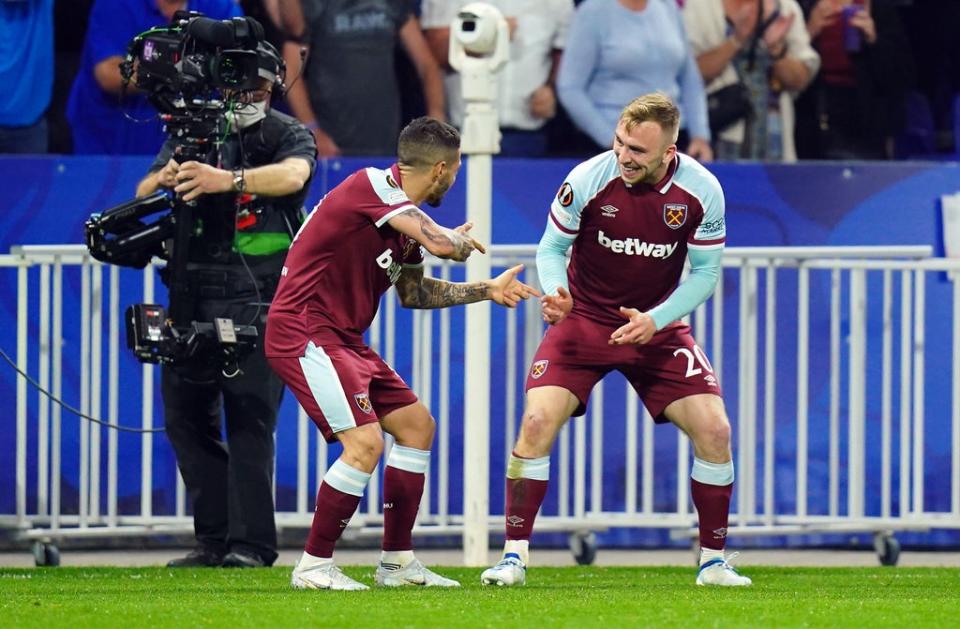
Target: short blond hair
{"type": "Point", "coordinates": [656, 107]}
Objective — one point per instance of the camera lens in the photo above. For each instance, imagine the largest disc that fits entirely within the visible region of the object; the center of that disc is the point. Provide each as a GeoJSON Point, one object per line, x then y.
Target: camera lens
{"type": "Point", "coordinates": [469, 26]}
{"type": "Point", "coordinates": [230, 72]}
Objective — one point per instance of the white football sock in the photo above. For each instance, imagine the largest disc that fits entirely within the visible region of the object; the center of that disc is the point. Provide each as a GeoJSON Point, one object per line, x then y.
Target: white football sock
{"type": "Point", "coordinates": [519, 546]}
{"type": "Point", "coordinates": [709, 554]}
{"type": "Point", "coordinates": [399, 558]}
{"type": "Point", "coordinates": [308, 561]}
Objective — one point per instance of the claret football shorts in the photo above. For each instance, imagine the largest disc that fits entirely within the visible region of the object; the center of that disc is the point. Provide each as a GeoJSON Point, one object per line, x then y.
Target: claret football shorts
{"type": "Point", "coordinates": [342, 386]}
{"type": "Point", "coordinates": [575, 355]}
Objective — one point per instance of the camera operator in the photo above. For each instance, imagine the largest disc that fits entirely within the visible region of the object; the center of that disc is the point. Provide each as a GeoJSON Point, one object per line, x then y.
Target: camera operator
{"type": "Point", "coordinates": [249, 194]}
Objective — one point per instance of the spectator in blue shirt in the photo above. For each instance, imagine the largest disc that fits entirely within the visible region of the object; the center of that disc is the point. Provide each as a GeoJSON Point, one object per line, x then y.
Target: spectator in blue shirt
{"type": "Point", "coordinates": [618, 49]}
{"type": "Point", "coordinates": [94, 109]}
{"type": "Point", "coordinates": [26, 72]}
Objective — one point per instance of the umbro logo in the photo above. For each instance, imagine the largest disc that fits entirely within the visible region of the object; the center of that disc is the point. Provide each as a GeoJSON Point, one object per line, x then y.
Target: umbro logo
{"type": "Point", "coordinates": [515, 520]}
{"type": "Point", "coordinates": [609, 211]}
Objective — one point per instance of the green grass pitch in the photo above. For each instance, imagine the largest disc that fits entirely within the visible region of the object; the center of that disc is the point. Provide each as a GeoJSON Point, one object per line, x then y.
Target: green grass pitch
{"type": "Point", "coordinates": [578, 597]}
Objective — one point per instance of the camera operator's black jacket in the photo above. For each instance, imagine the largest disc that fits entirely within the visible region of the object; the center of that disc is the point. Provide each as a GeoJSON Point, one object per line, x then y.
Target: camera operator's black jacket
{"type": "Point", "coordinates": [259, 227]}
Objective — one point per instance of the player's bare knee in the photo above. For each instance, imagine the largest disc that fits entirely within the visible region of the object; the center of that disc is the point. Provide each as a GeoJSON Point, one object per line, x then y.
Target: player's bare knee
{"type": "Point", "coordinates": [412, 427]}
{"type": "Point", "coordinates": [362, 448]}
{"type": "Point", "coordinates": [417, 433]}
{"type": "Point", "coordinates": [536, 430]}
{"type": "Point", "coordinates": [715, 436]}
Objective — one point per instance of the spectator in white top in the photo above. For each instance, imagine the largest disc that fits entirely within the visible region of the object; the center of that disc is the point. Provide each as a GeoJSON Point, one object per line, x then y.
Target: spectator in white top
{"type": "Point", "coordinates": [526, 98]}
{"type": "Point", "coordinates": [763, 45]}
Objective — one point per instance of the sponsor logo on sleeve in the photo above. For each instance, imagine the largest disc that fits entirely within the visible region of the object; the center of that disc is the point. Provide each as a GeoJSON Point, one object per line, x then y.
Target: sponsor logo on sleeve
{"type": "Point", "coordinates": [363, 402]}
{"type": "Point", "coordinates": [565, 194]}
{"type": "Point", "coordinates": [712, 227]}
{"type": "Point", "coordinates": [674, 215]}
{"type": "Point", "coordinates": [539, 368]}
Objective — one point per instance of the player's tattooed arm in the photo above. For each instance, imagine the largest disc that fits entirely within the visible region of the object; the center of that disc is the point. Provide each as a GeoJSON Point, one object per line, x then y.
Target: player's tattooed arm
{"type": "Point", "coordinates": [453, 244]}
{"type": "Point", "coordinates": [417, 291]}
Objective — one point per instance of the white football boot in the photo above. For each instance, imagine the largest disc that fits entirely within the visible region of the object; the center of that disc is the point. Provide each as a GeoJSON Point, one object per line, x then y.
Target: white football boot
{"type": "Point", "coordinates": [510, 571]}
{"type": "Point", "coordinates": [414, 573]}
{"type": "Point", "coordinates": [326, 576]}
{"type": "Point", "coordinates": [720, 572]}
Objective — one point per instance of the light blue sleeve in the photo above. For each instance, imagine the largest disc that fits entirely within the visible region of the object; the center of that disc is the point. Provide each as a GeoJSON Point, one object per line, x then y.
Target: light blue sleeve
{"type": "Point", "coordinates": [552, 259]}
{"type": "Point", "coordinates": [580, 187]}
{"type": "Point", "coordinates": [694, 290]}
{"type": "Point", "coordinates": [577, 68]}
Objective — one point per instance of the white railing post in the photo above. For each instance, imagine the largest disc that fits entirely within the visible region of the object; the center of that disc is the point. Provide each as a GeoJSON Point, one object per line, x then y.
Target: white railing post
{"type": "Point", "coordinates": [919, 350]}
{"type": "Point", "coordinates": [146, 438]}
{"type": "Point", "coordinates": [43, 402]}
{"type": "Point", "coordinates": [21, 404]}
{"type": "Point", "coordinates": [56, 387]}
{"type": "Point", "coordinates": [834, 430]}
{"type": "Point", "coordinates": [476, 388]}
{"type": "Point", "coordinates": [803, 379]}
{"type": "Point", "coordinates": [886, 395]}
{"type": "Point", "coordinates": [769, 392]}
{"type": "Point", "coordinates": [906, 368]}
{"type": "Point", "coordinates": [857, 402]}
{"type": "Point", "coordinates": [113, 394]}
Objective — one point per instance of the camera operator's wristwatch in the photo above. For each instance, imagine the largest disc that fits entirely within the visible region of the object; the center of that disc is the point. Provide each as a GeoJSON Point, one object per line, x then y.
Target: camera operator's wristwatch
{"type": "Point", "coordinates": [239, 183]}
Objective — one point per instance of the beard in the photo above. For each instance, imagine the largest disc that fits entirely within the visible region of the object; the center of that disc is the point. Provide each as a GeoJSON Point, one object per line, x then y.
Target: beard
{"type": "Point", "coordinates": [435, 198]}
{"type": "Point", "coordinates": [651, 176]}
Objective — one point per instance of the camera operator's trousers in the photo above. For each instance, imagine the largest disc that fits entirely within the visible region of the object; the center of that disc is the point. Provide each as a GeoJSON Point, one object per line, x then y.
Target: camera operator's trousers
{"type": "Point", "coordinates": [229, 484]}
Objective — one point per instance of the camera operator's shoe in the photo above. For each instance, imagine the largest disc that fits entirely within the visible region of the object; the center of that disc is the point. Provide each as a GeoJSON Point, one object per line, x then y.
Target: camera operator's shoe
{"type": "Point", "coordinates": [199, 557]}
{"type": "Point", "coordinates": [243, 559]}
{"type": "Point", "coordinates": [414, 573]}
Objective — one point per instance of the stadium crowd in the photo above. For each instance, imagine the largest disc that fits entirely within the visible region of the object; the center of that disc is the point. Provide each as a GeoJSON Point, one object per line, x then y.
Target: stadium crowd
{"type": "Point", "coordinates": [771, 80]}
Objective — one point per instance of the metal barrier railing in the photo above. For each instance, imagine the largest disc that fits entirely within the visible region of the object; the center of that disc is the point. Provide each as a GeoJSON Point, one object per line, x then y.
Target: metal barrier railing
{"type": "Point", "coordinates": [831, 291]}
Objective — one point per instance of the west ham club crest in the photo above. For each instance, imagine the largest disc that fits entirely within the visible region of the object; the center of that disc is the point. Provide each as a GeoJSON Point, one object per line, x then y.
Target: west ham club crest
{"type": "Point", "coordinates": [363, 402]}
{"type": "Point", "coordinates": [674, 215]}
{"type": "Point", "coordinates": [539, 368]}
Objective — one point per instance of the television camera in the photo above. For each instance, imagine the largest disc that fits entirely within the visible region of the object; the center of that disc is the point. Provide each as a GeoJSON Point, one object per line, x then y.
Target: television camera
{"type": "Point", "coordinates": [194, 72]}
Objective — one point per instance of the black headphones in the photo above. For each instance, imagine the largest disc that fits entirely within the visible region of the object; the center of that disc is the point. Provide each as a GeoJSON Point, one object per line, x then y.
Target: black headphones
{"type": "Point", "coordinates": [270, 65]}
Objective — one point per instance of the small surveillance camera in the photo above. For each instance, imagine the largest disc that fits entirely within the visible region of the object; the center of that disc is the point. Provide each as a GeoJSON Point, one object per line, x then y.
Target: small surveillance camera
{"type": "Point", "coordinates": [479, 48]}
{"type": "Point", "coordinates": [476, 28]}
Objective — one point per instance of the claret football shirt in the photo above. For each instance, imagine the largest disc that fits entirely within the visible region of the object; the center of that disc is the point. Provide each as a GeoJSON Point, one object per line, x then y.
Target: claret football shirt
{"type": "Point", "coordinates": [630, 241]}
{"type": "Point", "coordinates": [343, 259]}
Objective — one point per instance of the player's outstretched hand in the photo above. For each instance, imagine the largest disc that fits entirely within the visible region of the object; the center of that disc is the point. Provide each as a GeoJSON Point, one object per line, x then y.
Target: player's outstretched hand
{"type": "Point", "coordinates": [507, 290]}
{"type": "Point", "coordinates": [464, 230]}
{"type": "Point", "coordinates": [556, 307]}
{"type": "Point", "coordinates": [639, 330]}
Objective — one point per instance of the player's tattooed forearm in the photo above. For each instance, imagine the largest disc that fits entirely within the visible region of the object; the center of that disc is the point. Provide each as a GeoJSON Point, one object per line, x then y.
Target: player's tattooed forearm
{"type": "Point", "coordinates": [432, 293]}
{"type": "Point", "coordinates": [429, 229]}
